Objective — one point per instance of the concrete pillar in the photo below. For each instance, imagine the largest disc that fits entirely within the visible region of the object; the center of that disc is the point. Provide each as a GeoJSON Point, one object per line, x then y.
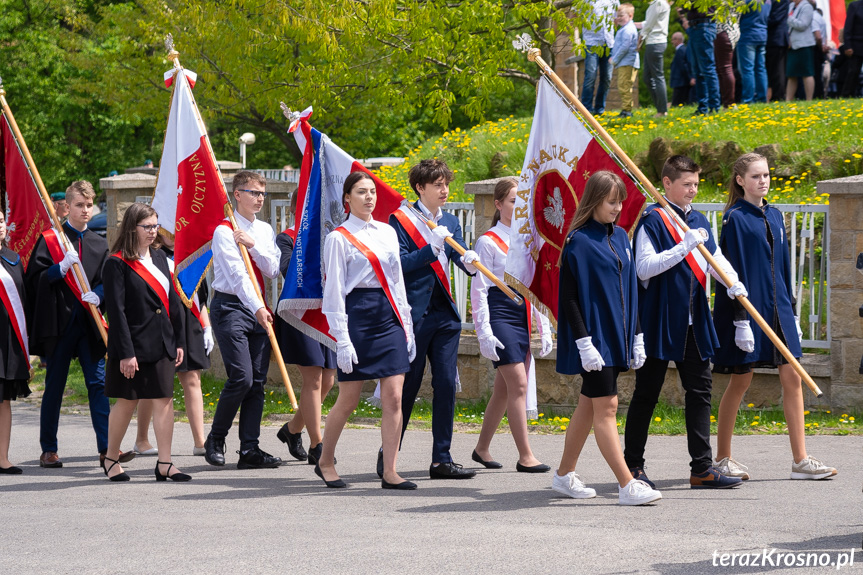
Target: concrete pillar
{"type": "Point", "coordinates": [121, 192]}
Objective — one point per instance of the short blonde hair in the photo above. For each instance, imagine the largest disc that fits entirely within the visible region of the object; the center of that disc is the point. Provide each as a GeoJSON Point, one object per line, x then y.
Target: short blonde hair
{"type": "Point", "coordinates": [628, 8]}
{"type": "Point", "coordinates": [82, 187]}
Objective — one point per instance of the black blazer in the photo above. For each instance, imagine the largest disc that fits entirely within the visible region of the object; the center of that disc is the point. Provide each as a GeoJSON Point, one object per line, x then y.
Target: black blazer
{"type": "Point", "coordinates": [138, 325]}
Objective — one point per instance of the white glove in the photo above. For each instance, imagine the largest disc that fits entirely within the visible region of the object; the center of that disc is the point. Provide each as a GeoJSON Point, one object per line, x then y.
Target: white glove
{"type": "Point", "coordinates": [591, 360]}
{"type": "Point", "coordinates": [468, 258]}
{"type": "Point", "coordinates": [70, 258]}
{"type": "Point", "coordinates": [737, 289]}
{"type": "Point", "coordinates": [347, 356]}
{"type": "Point", "coordinates": [438, 238]}
{"type": "Point", "coordinates": [209, 342]}
{"type": "Point", "coordinates": [799, 331]}
{"type": "Point", "coordinates": [488, 345]}
{"type": "Point", "coordinates": [90, 297]}
{"type": "Point", "coordinates": [692, 239]}
{"type": "Point", "coordinates": [743, 336]}
{"type": "Point", "coordinates": [639, 356]}
{"type": "Point", "coordinates": [412, 349]}
{"type": "Point", "coordinates": [546, 344]}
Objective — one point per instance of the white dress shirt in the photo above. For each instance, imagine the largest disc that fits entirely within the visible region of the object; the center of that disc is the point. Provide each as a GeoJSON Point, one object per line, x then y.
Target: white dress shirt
{"type": "Point", "coordinates": [347, 268]}
{"type": "Point", "coordinates": [495, 260]}
{"type": "Point", "coordinates": [229, 271]}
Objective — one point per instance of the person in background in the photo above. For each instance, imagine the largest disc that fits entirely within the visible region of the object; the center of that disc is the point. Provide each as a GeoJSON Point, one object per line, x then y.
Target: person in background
{"type": "Point", "coordinates": [654, 36]}
{"type": "Point", "coordinates": [598, 40]}
{"type": "Point", "coordinates": [853, 52]}
{"type": "Point", "coordinates": [751, 52]}
{"type": "Point", "coordinates": [801, 42]}
{"type": "Point", "coordinates": [625, 58]}
{"type": "Point", "coordinates": [777, 49]}
{"type": "Point", "coordinates": [702, 35]}
{"type": "Point", "coordinates": [61, 208]}
{"type": "Point", "coordinates": [682, 81]}
{"type": "Point", "coordinates": [819, 54]}
{"type": "Point", "coordinates": [727, 35]}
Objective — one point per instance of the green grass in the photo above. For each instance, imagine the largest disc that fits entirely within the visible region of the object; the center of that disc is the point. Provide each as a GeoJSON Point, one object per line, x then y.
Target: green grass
{"type": "Point", "coordinates": [668, 419]}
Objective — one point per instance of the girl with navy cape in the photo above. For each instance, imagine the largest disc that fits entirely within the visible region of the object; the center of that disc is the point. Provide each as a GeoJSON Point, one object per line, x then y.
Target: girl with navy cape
{"type": "Point", "coordinates": [753, 239]}
{"type": "Point", "coordinates": [598, 333]}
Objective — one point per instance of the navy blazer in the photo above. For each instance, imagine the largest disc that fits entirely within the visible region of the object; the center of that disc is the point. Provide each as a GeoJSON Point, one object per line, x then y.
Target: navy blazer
{"type": "Point", "coordinates": [419, 276]}
{"type": "Point", "coordinates": [681, 73]}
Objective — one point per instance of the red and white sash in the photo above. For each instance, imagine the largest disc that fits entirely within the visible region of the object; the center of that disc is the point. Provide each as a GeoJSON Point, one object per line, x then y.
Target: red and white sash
{"type": "Point", "coordinates": [377, 268]}
{"type": "Point", "coordinates": [58, 250]}
{"type": "Point", "coordinates": [505, 249]}
{"type": "Point", "coordinates": [149, 279]}
{"type": "Point", "coordinates": [421, 235]}
{"type": "Point", "coordinates": [694, 259]}
{"type": "Point", "coordinates": [12, 302]}
{"type": "Point", "coordinates": [258, 275]}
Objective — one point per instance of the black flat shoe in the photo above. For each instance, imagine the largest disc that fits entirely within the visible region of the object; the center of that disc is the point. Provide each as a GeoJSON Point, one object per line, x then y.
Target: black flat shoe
{"type": "Point", "coordinates": [12, 470]}
{"type": "Point", "coordinates": [120, 476]}
{"type": "Point", "coordinates": [488, 464]}
{"type": "Point", "coordinates": [450, 470]}
{"type": "Point", "coordinates": [541, 468]}
{"type": "Point", "coordinates": [337, 484]}
{"type": "Point", "coordinates": [380, 465]}
{"type": "Point", "coordinates": [403, 486]}
{"type": "Point", "coordinates": [176, 477]}
{"type": "Point", "coordinates": [315, 454]}
{"type": "Point", "coordinates": [294, 441]}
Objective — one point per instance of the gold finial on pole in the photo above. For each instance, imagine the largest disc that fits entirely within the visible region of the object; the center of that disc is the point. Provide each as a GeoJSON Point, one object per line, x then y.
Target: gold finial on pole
{"type": "Point", "coordinates": [289, 114]}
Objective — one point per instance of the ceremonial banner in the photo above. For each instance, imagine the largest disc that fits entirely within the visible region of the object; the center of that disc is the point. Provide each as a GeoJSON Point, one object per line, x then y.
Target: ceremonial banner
{"type": "Point", "coordinates": [561, 155]}
{"type": "Point", "coordinates": [26, 216]}
{"type": "Point", "coordinates": [190, 196]}
{"type": "Point", "coordinates": [320, 210]}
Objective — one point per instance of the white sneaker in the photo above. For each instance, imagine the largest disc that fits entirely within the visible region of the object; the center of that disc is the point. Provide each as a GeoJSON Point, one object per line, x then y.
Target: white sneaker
{"type": "Point", "coordinates": [637, 492]}
{"type": "Point", "coordinates": [811, 468]}
{"type": "Point", "coordinates": [571, 485]}
{"type": "Point", "coordinates": [731, 468]}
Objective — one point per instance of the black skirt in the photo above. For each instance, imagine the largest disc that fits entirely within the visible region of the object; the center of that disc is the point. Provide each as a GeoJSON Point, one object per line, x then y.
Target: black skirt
{"type": "Point", "coordinates": [299, 349]}
{"type": "Point", "coordinates": [602, 383]}
{"type": "Point", "coordinates": [509, 324]}
{"type": "Point", "coordinates": [195, 355]}
{"type": "Point", "coordinates": [151, 381]}
{"type": "Point", "coordinates": [378, 337]}
{"type": "Point", "coordinates": [12, 389]}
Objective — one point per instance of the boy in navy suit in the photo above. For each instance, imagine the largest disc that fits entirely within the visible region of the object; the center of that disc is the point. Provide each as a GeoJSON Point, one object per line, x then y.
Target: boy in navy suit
{"type": "Point", "coordinates": [425, 258]}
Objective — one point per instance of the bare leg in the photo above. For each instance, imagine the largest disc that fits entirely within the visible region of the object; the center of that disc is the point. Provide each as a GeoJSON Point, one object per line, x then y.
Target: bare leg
{"type": "Point", "coordinates": [346, 403]}
{"type": "Point", "coordinates": [515, 375]}
{"type": "Point", "coordinates": [728, 407]}
{"type": "Point", "coordinates": [391, 424]}
{"type": "Point", "coordinates": [576, 435]}
{"type": "Point", "coordinates": [5, 432]}
{"type": "Point", "coordinates": [191, 382]}
{"type": "Point", "coordinates": [145, 414]}
{"type": "Point", "coordinates": [608, 438]}
{"type": "Point", "coordinates": [163, 426]}
{"type": "Point", "coordinates": [809, 87]}
{"type": "Point", "coordinates": [118, 423]}
{"type": "Point", "coordinates": [309, 414]}
{"type": "Point", "coordinates": [493, 415]}
{"type": "Point", "coordinates": [791, 89]}
{"type": "Point", "coordinates": [792, 404]}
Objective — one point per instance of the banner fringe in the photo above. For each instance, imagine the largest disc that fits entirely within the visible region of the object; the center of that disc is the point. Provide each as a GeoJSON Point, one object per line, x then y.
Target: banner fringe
{"type": "Point", "coordinates": [514, 282]}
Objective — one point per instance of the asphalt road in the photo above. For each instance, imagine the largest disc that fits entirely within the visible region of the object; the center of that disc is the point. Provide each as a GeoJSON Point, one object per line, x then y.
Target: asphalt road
{"type": "Point", "coordinates": [72, 520]}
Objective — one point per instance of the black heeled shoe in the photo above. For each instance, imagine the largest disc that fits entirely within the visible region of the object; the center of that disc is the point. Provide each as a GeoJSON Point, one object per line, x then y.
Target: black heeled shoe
{"type": "Point", "coordinates": [315, 454]}
{"type": "Point", "coordinates": [294, 441]}
{"type": "Point", "coordinates": [337, 484]}
{"type": "Point", "coordinates": [488, 464]}
{"type": "Point", "coordinates": [403, 486]}
{"type": "Point", "coordinates": [176, 477]}
{"type": "Point", "coordinates": [120, 476]}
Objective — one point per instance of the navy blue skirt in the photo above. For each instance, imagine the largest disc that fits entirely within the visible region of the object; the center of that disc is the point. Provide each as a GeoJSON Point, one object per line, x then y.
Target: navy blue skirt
{"type": "Point", "coordinates": [299, 349]}
{"type": "Point", "coordinates": [509, 324]}
{"type": "Point", "coordinates": [378, 337]}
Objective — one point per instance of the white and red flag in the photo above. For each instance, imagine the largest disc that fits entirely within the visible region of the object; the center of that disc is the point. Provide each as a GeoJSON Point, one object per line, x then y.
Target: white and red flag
{"type": "Point", "coordinates": [190, 195]}
{"type": "Point", "coordinates": [561, 155]}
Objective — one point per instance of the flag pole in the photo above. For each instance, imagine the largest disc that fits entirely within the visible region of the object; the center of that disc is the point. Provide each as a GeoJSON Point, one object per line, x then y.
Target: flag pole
{"type": "Point", "coordinates": [49, 205]}
{"type": "Point", "coordinates": [174, 56]}
{"type": "Point", "coordinates": [534, 55]}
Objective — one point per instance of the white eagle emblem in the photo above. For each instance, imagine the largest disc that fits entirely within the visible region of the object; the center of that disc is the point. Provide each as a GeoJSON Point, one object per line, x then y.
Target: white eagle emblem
{"type": "Point", "coordinates": [554, 213]}
{"type": "Point", "coordinates": [179, 190]}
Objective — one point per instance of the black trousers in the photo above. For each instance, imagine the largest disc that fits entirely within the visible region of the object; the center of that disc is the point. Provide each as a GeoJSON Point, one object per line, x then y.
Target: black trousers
{"type": "Point", "coordinates": [245, 349]}
{"type": "Point", "coordinates": [680, 96]}
{"type": "Point", "coordinates": [697, 382]}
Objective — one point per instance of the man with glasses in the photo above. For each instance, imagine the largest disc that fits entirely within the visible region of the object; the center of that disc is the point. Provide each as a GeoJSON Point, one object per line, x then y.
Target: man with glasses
{"type": "Point", "coordinates": [240, 322]}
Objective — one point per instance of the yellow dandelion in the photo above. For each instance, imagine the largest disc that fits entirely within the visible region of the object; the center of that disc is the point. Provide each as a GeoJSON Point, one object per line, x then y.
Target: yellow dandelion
{"type": "Point", "coordinates": [657, 419]}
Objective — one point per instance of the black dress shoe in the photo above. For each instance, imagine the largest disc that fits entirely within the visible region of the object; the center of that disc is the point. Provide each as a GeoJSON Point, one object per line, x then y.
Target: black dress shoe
{"type": "Point", "coordinates": [541, 468]}
{"type": "Point", "coordinates": [488, 464]}
{"type": "Point", "coordinates": [257, 459]}
{"type": "Point", "coordinates": [294, 441]}
{"type": "Point", "coordinates": [450, 470]}
{"type": "Point", "coordinates": [403, 486]}
{"type": "Point", "coordinates": [337, 484]}
{"type": "Point", "coordinates": [12, 470]}
{"type": "Point", "coordinates": [380, 466]}
{"type": "Point", "coordinates": [215, 451]}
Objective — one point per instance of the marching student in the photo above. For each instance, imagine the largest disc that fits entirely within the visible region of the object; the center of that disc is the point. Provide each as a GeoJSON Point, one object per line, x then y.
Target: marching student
{"type": "Point", "coordinates": [675, 319]}
{"type": "Point", "coordinates": [14, 353]}
{"type": "Point", "coordinates": [503, 331]}
{"type": "Point", "coordinates": [199, 344]}
{"type": "Point", "coordinates": [753, 239]}
{"type": "Point", "coordinates": [146, 339]}
{"type": "Point", "coordinates": [317, 365]}
{"type": "Point", "coordinates": [425, 258]}
{"type": "Point", "coordinates": [598, 334]}
{"type": "Point", "coordinates": [66, 328]}
{"type": "Point", "coordinates": [239, 318]}
{"type": "Point", "coordinates": [369, 316]}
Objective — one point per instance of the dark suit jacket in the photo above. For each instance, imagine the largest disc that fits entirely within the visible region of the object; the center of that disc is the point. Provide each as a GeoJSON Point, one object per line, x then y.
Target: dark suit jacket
{"type": "Point", "coordinates": [138, 324]}
{"type": "Point", "coordinates": [420, 278]}
{"type": "Point", "coordinates": [853, 34]}
{"type": "Point", "coordinates": [681, 73]}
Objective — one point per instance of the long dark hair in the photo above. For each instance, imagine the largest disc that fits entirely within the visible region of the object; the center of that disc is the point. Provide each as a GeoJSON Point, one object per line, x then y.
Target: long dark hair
{"type": "Point", "coordinates": [601, 185]}
{"type": "Point", "coordinates": [127, 242]}
{"type": "Point", "coordinates": [501, 191]}
{"type": "Point", "coordinates": [741, 166]}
